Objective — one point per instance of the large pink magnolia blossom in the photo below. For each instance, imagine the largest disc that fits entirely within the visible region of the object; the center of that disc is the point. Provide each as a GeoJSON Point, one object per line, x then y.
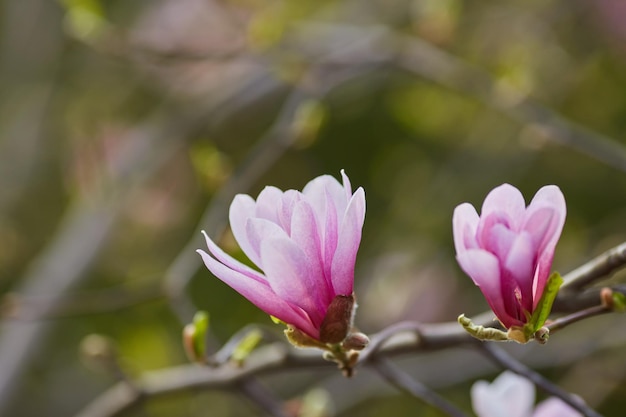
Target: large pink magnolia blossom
{"type": "Point", "coordinates": [511, 395]}
{"type": "Point", "coordinates": [305, 243]}
{"type": "Point", "coordinates": [508, 249]}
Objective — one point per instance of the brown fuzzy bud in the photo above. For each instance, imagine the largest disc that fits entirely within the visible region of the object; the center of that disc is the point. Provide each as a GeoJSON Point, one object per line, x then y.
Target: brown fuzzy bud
{"type": "Point", "coordinates": [338, 320]}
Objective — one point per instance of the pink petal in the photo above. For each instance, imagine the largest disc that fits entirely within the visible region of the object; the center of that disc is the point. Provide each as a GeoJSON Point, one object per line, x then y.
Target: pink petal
{"type": "Point", "coordinates": [305, 236]}
{"type": "Point", "coordinates": [316, 191]}
{"type": "Point", "coordinates": [289, 274]}
{"type": "Point", "coordinates": [540, 224]}
{"type": "Point", "coordinates": [329, 234]}
{"type": "Point", "coordinates": [258, 230]}
{"type": "Point", "coordinates": [552, 198]}
{"type": "Point", "coordinates": [509, 395]}
{"type": "Point", "coordinates": [547, 197]}
{"type": "Point", "coordinates": [484, 269]}
{"type": "Point", "coordinates": [348, 241]}
{"type": "Point", "coordinates": [520, 264]}
{"type": "Point", "coordinates": [555, 407]}
{"type": "Point", "coordinates": [241, 209]}
{"type": "Point", "coordinates": [506, 199]}
{"type": "Point", "coordinates": [267, 204]}
{"type": "Point", "coordinates": [346, 185]}
{"type": "Point", "coordinates": [231, 262]}
{"type": "Point", "coordinates": [498, 240]}
{"type": "Point", "coordinates": [289, 199]}
{"type": "Point", "coordinates": [259, 294]}
{"type": "Point", "coordinates": [542, 274]}
{"type": "Point", "coordinates": [464, 224]}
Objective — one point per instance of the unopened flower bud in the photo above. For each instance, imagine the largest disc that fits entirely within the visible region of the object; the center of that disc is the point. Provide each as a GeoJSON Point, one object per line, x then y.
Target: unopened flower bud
{"type": "Point", "coordinates": [194, 337]}
{"type": "Point", "coordinates": [99, 352]}
{"type": "Point", "coordinates": [356, 341]}
{"type": "Point", "coordinates": [542, 335]}
{"type": "Point", "coordinates": [606, 296]}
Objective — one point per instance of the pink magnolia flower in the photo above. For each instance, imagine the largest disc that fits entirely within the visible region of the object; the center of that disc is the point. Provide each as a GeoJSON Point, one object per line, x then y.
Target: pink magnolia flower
{"type": "Point", "coordinates": [511, 395]}
{"type": "Point", "coordinates": [508, 250]}
{"type": "Point", "coordinates": [305, 243]}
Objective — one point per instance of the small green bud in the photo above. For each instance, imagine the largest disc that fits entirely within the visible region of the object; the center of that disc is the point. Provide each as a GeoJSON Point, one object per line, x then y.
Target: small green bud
{"type": "Point", "coordinates": [99, 352]}
{"type": "Point", "coordinates": [194, 337]}
{"type": "Point", "coordinates": [246, 346]}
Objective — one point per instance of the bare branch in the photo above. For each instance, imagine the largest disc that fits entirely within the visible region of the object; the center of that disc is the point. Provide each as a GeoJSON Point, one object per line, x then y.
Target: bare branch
{"type": "Point", "coordinates": [499, 356]}
{"type": "Point", "coordinates": [260, 396]}
{"type": "Point", "coordinates": [401, 380]}
{"type": "Point", "coordinates": [600, 267]}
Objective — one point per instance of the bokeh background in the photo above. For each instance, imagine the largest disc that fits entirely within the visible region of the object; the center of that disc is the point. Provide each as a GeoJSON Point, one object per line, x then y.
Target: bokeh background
{"type": "Point", "coordinates": [127, 126]}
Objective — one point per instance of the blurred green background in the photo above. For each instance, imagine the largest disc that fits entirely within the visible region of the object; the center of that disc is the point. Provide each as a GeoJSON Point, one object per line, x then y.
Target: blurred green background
{"type": "Point", "coordinates": [128, 126]}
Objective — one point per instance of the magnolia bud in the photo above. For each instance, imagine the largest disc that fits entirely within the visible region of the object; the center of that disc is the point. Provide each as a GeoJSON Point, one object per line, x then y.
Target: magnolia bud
{"type": "Point", "coordinates": [99, 352]}
{"type": "Point", "coordinates": [356, 341]}
{"type": "Point", "coordinates": [194, 337]}
{"type": "Point", "coordinates": [542, 335]}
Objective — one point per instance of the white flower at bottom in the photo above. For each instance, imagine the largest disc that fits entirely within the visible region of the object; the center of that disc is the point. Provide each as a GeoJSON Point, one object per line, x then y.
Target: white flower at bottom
{"type": "Point", "coordinates": [511, 395]}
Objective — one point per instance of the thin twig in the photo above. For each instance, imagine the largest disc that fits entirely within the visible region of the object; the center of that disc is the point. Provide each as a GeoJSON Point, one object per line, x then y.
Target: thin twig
{"type": "Point", "coordinates": [404, 382]}
{"type": "Point", "coordinates": [598, 268]}
{"type": "Point", "coordinates": [70, 305]}
{"type": "Point", "coordinates": [428, 61]}
{"type": "Point", "coordinates": [565, 321]}
{"type": "Point", "coordinates": [394, 340]}
{"type": "Point", "coordinates": [499, 356]}
{"type": "Point", "coordinates": [260, 396]}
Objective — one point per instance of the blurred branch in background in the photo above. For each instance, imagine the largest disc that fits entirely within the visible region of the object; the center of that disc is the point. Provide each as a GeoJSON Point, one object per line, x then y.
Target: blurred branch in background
{"type": "Point", "coordinates": [78, 241]}
{"type": "Point", "coordinates": [242, 76]}
{"type": "Point", "coordinates": [269, 148]}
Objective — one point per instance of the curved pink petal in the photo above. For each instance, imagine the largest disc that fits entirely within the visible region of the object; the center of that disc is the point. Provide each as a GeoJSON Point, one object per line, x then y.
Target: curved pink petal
{"type": "Point", "coordinates": [348, 240]}
{"type": "Point", "coordinates": [552, 198]}
{"type": "Point", "coordinates": [242, 208]}
{"type": "Point", "coordinates": [484, 269]}
{"type": "Point", "coordinates": [506, 199]}
{"type": "Point", "coordinates": [260, 294]}
{"type": "Point", "coordinates": [231, 262]}
{"type": "Point", "coordinates": [464, 224]}
{"type": "Point", "coordinates": [267, 204]}
{"type": "Point", "coordinates": [549, 196]}
{"type": "Point", "coordinates": [289, 274]}
{"type": "Point", "coordinates": [316, 190]}
{"type": "Point", "coordinates": [346, 185]}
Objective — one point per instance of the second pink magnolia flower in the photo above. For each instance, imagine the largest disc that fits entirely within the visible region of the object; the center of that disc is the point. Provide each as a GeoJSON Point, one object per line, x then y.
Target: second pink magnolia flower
{"type": "Point", "coordinates": [508, 249]}
{"type": "Point", "coordinates": [304, 242]}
